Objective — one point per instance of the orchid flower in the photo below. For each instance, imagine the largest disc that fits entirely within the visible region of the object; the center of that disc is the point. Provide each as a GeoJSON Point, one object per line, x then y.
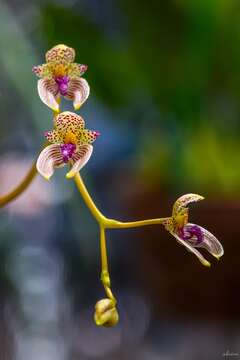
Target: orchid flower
{"type": "Point", "coordinates": [61, 76]}
{"type": "Point", "coordinates": [70, 144]}
{"type": "Point", "coordinates": [190, 235]}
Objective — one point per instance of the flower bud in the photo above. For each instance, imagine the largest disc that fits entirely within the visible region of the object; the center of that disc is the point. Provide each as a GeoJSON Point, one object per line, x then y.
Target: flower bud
{"type": "Point", "coordinates": [106, 313]}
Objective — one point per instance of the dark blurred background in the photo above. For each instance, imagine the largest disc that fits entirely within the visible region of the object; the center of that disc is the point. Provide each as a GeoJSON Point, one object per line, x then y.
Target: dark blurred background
{"type": "Point", "coordinates": [165, 84]}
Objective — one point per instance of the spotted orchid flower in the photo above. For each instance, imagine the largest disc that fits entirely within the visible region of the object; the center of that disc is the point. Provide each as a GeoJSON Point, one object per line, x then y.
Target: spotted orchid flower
{"type": "Point", "coordinates": [190, 235]}
{"type": "Point", "coordinates": [70, 144]}
{"type": "Point", "coordinates": [60, 76]}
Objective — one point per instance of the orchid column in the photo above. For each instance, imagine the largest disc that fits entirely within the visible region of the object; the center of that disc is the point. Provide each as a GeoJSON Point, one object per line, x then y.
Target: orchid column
{"type": "Point", "coordinates": [70, 143]}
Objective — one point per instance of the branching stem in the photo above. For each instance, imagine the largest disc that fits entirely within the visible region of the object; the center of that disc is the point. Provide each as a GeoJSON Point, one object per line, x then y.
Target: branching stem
{"type": "Point", "coordinates": [106, 223]}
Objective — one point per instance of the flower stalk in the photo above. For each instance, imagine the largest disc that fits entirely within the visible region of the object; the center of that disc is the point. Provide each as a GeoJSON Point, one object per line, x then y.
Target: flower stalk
{"type": "Point", "coordinates": [20, 188]}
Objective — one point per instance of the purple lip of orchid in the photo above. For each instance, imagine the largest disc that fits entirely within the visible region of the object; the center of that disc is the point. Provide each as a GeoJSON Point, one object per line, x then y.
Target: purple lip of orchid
{"type": "Point", "coordinates": [62, 82]}
{"type": "Point", "coordinates": [67, 151]}
{"type": "Point", "coordinates": [188, 234]}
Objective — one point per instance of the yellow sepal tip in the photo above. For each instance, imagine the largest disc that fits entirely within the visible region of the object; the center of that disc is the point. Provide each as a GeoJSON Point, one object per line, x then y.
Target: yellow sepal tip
{"type": "Point", "coordinates": [205, 263]}
{"type": "Point", "coordinates": [70, 175]}
{"type": "Point", "coordinates": [56, 110]}
{"type": "Point", "coordinates": [47, 178]}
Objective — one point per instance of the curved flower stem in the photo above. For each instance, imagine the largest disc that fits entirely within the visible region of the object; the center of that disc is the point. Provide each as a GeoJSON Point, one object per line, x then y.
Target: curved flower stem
{"type": "Point", "coordinates": [103, 220]}
{"type": "Point", "coordinates": [105, 278]}
{"type": "Point", "coordinates": [115, 224]}
{"type": "Point", "coordinates": [24, 184]}
{"type": "Point", "coordinates": [106, 223]}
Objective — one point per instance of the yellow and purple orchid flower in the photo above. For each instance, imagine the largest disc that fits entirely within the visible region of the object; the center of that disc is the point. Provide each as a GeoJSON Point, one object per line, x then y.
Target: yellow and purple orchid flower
{"type": "Point", "coordinates": [70, 144]}
{"type": "Point", "coordinates": [190, 235]}
{"type": "Point", "coordinates": [60, 76]}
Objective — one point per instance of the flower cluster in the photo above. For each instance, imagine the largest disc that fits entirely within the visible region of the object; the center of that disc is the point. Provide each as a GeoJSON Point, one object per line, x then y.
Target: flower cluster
{"type": "Point", "coordinates": [70, 143]}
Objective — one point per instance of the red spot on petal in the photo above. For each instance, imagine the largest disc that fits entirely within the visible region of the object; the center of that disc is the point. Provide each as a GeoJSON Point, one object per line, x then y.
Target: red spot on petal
{"type": "Point", "coordinates": [83, 68]}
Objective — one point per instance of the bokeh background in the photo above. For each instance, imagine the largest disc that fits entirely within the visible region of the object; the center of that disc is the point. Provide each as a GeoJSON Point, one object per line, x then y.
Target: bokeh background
{"type": "Point", "coordinates": [165, 89]}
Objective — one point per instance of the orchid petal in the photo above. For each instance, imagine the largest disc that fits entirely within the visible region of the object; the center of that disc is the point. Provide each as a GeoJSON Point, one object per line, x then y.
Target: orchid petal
{"type": "Point", "coordinates": [82, 68]}
{"type": "Point", "coordinates": [44, 71]}
{"type": "Point", "coordinates": [49, 158]}
{"type": "Point", "coordinates": [48, 91]}
{"type": "Point", "coordinates": [78, 91]}
{"type": "Point", "coordinates": [37, 70]}
{"type": "Point", "coordinates": [210, 242]}
{"type": "Point", "coordinates": [87, 136]}
{"type": "Point", "coordinates": [80, 158]}
{"type": "Point", "coordinates": [76, 70]}
{"type": "Point", "coordinates": [183, 202]}
{"type": "Point", "coordinates": [54, 136]}
{"type": "Point", "coordinates": [191, 249]}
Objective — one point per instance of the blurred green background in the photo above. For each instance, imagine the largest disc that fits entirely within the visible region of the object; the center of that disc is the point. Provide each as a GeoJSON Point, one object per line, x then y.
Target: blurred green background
{"type": "Point", "coordinates": [165, 83]}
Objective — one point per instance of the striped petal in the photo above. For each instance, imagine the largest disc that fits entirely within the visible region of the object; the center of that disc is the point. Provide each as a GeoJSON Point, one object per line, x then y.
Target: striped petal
{"type": "Point", "coordinates": [78, 91]}
{"type": "Point", "coordinates": [192, 249]}
{"type": "Point", "coordinates": [48, 92]}
{"type": "Point", "coordinates": [49, 158]}
{"type": "Point", "coordinates": [80, 158]}
{"type": "Point", "coordinates": [182, 202]}
{"type": "Point", "coordinates": [209, 242]}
